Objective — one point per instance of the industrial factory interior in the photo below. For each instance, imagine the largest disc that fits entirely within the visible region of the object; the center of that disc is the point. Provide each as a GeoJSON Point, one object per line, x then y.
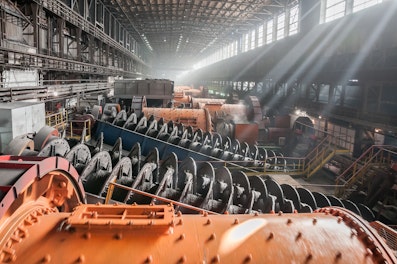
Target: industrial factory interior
{"type": "Point", "coordinates": [198, 131]}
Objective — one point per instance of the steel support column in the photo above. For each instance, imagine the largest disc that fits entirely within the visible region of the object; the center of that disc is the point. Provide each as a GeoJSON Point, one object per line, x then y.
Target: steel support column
{"type": "Point", "coordinates": [36, 25]}
{"type": "Point", "coordinates": [2, 25]}
{"type": "Point", "coordinates": [91, 49]}
{"type": "Point", "coordinates": [100, 52]}
{"type": "Point", "coordinates": [78, 43]}
{"type": "Point", "coordinates": [107, 50]}
{"type": "Point", "coordinates": [61, 36]}
{"type": "Point", "coordinates": [49, 35]}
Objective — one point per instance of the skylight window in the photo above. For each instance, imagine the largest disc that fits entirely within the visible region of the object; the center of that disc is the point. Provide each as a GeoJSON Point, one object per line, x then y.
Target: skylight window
{"type": "Point", "coordinates": [334, 9]}
{"type": "Point", "coordinates": [269, 31]}
{"type": "Point", "coordinates": [362, 4]}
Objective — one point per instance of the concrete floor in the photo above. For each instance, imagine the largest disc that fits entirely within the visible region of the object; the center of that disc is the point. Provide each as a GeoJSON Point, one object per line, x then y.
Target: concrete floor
{"type": "Point", "coordinates": [322, 181]}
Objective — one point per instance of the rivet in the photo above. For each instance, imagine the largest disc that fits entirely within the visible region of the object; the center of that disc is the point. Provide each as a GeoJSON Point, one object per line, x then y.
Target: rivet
{"type": "Point", "coordinates": [309, 257]}
{"type": "Point", "coordinates": [248, 258]}
{"type": "Point", "coordinates": [135, 204]}
{"type": "Point", "coordinates": [182, 237]}
{"type": "Point", "coordinates": [87, 235]}
{"type": "Point", "coordinates": [299, 235]}
{"type": "Point", "coordinates": [118, 236]}
{"type": "Point", "coordinates": [338, 255]}
{"type": "Point", "coordinates": [271, 235]}
{"type": "Point", "coordinates": [169, 205]}
{"type": "Point", "coordinates": [236, 221]}
{"type": "Point", "coordinates": [289, 221]}
{"type": "Point", "coordinates": [370, 240]}
{"type": "Point", "coordinates": [149, 259]}
{"type": "Point", "coordinates": [98, 203]}
{"type": "Point", "coordinates": [208, 221]}
{"type": "Point", "coordinates": [340, 219]}
{"type": "Point", "coordinates": [216, 259]}
{"type": "Point", "coordinates": [151, 204]}
{"type": "Point", "coordinates": [205, 214]}
{"type": "Point", "coordinates": [180, 222]}
{"type": "Point", "coordinates": [212, 236]}
{"type": "Point", "coordinates": [15, 238]}
{"type": "Point", "coordinates": [46, 258]}
{"type": "Point", "coordinates": [377, 251]}
{"type": "Point", "coordinates": [226, 212]}
{"type": "Point", "coordinates": [314, 221]}
{"type": "Point", "coordinates": [81, 259]}
{"type": "Point", "coordinates": [256, 214]}
{"type": "Point", "coordinates": [183, 259]}
{"type": "Point", "coordinates": [280, 213]}
{"type": "Point", "coordinates": [179, 214]}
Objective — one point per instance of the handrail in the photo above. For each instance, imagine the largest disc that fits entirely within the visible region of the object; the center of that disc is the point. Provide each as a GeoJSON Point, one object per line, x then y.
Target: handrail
{"type": "Point", "coordinates": [370, 157]}
{"type": "Point", "coordinates": [20, 59]}
{"type": "Point", "coordinates": [113, 184]}
{"type": "Point", "coordinates": [83, 130]}
{"type": "Point", "coordinates": [46, 92]}
{"type": "Point", "coordinates": [367, 153]}
{"type": "Point", "coordinates": [56, 120]}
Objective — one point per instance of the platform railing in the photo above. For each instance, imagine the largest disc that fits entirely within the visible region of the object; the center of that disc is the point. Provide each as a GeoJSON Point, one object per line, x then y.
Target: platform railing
{"type": "Point", "coordinates": [78, 129]}
{"type": "Point", "coordinates": [57, 120]}
{"type": "Point", "coordinates": [50, 90]}
{"type": "Point", "coordinates": [376, 155]}
{"type": "Point", "coordinates": [23, 60]}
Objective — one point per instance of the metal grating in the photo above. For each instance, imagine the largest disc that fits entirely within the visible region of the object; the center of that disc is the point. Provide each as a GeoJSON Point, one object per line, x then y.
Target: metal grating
{"type": "Point", "coordinates": [389, 234]}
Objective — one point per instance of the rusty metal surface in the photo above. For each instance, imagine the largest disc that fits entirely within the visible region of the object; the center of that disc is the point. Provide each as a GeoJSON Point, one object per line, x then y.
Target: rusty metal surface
{"type": "Point", "coordinates": [197, 102]}
{"type": "Point", "coordinates": [29, 179]}
{"type": "Point", "coordinates": [197, 118]}
{"type": "Point", "coordinates": [43, 136]}
{"type": "Point", "coordinates": [19, 145]}
{"type": "Point", "coordinates": [154, 234]}
{"type": "Point", "coordinates": [42, 220]}
{"type": "Point", "coordinates": [246, 133]}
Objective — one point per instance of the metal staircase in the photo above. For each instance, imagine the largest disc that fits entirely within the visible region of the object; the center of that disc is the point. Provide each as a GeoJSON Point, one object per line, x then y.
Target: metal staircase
{"type": "Point", "coordinates": [375, 157]}
{"type": "Point", "coordinates": [319, 156]}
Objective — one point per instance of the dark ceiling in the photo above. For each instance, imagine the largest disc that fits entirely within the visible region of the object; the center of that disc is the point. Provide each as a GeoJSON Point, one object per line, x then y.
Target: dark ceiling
{"type": "Point", "coordinates": [182, 32]}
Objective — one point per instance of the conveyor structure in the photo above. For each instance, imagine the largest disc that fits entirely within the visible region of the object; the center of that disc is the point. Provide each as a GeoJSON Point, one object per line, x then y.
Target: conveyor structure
{"type": "Point", "coordinates": [186, 141]}
{"type": "Point", "coordinates": [191, 178]}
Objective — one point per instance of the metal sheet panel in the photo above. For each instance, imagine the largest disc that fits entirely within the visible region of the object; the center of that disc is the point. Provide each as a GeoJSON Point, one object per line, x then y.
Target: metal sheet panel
{"type": "Point", "coordinates": [19, 118]}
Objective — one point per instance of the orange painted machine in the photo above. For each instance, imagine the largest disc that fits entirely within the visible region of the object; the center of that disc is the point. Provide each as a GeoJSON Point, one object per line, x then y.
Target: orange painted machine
{"type": "Point", "coordinates": [196, 118]}
{"type": "Point", "coordinates": [43, 220]}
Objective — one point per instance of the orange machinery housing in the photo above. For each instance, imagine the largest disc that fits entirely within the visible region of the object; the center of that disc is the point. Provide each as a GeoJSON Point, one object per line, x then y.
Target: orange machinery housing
{"type": "Point", "coordinates": [196, 118]}
{"type": "Point", "coordinates": [43, 219]}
